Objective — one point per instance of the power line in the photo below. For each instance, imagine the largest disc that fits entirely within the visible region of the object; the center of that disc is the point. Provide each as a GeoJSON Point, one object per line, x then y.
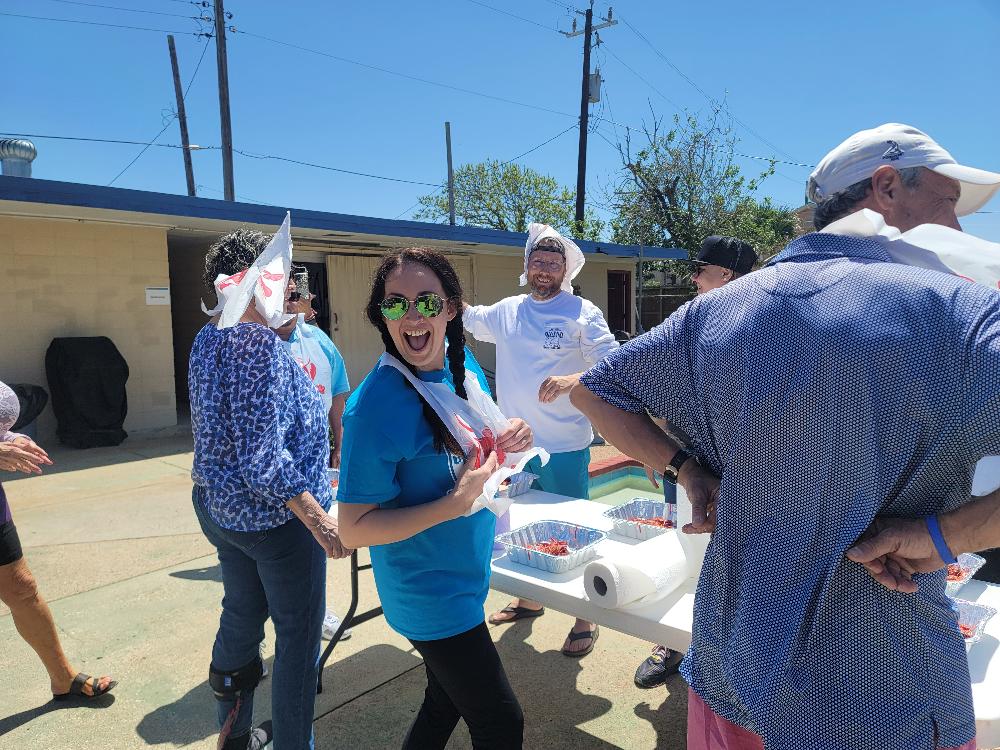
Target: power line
{"type": "Point", "coordinates": [701, 91]}
{"type": "Point", "coordinates": [405, 75]}
{"type": "Point", "coordinates": [117, 7]}
{"type": "Point", "coordinates": [95, 23]}
{"type": "Point", "coordinates": [104, 140]}
{"type": "Point", "coordinates": [335, 169]}
{"type": "Point", "coordinates": [169, 122]}
{"type": "Point", "coordinates": [512, 15]}
{"type": "Point", "coordinates": [543, 143]}
{"type": "Point", "coordinates": [642, 78]}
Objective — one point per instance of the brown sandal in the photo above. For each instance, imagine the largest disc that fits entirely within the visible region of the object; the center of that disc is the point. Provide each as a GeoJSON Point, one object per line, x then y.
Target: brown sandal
{"type": "Point", "coordinates": [592, 634]}
{"type": "Point", "coordinates": [76, 688]}
{"type": "Point", "coordinates": [520, 613]}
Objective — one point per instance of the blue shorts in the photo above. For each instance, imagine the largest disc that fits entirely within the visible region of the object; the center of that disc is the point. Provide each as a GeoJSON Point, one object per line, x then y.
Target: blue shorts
{"type": "Point", "coordinates": [564, 474]}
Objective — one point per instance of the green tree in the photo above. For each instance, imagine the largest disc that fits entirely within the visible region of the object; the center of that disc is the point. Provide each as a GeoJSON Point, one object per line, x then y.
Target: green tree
{"type": "Point", "coordinates": [683, 185]}
{"type": "Point", "coordinates": [508, 197]}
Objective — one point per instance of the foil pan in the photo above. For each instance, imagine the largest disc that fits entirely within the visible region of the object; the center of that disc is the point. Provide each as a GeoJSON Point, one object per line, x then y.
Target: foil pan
{"type": "Point", "coordinates": [641, 507]}
{"type": "Point", "coordinates": [581, 540]}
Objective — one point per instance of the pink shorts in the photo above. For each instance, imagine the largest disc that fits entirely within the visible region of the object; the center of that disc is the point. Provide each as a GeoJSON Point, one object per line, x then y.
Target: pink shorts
{"type": "Point", "coordinates": [709, 731]}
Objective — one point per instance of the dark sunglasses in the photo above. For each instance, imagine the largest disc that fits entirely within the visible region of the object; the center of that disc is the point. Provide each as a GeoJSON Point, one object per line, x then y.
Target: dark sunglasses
{"type": "Point", "coordinates": [395, 306]}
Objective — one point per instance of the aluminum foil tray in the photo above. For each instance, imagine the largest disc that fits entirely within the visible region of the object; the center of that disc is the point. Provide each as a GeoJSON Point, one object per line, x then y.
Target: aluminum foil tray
{"type": "Point", "coordinates": [641, 507]}
{"type": "Point", "coordinates": [972, 615]}
{"type": "Point", "coordinates": [581, 540]}
{"type": "Point", "coordinates": [970, 565]}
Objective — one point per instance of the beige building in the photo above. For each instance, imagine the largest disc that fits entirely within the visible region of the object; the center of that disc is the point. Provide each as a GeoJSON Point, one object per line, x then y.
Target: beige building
{"type": "Point", "coordinates": [81, 260]}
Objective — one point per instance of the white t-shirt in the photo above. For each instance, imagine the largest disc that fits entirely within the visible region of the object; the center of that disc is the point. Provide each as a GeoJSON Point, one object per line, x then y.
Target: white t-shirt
{"type": "Point", "coordinates": [560, 336]}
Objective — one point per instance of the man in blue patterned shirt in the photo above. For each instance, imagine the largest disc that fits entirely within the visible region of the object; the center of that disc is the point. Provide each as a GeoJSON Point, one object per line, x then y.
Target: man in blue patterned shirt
{"type": "Point", "coordinates": [826, 388]}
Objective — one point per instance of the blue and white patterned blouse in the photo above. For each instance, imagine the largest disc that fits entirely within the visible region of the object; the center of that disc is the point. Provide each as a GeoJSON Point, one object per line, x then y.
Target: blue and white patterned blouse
{"type": "Point", "coordinates": [824, 389]}
{"type": "Point", "coordinates": [260, 429]}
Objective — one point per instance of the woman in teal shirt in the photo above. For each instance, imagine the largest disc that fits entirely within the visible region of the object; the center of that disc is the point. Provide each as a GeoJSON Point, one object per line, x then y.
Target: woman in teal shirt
{"type": "Point", "coordinates": [404, 490]}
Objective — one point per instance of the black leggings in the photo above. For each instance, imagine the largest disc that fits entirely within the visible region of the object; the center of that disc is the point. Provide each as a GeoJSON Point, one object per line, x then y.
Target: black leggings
{"type": "Point", "coordinates": [465, 679]}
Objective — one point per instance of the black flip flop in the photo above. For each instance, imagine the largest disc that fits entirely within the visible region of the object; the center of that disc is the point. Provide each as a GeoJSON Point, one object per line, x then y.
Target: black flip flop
{"type": "Point", "coordinates": [76, 689]}
{"type": "Point", "coordinates": [592, 634]}
{"type": "Point", "coordinates": [520, 613]}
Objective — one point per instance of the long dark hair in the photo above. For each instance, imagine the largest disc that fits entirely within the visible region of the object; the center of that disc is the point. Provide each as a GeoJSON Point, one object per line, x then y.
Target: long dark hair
{"type": "Point", "coordinates": [454, 333]}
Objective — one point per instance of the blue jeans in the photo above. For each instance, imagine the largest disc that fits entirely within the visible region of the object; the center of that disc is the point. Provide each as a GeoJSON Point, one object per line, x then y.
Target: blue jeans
{"type": "Point", "coordinates": [565, 474]}
{"type": "Point", "coordinates": [279, 572]}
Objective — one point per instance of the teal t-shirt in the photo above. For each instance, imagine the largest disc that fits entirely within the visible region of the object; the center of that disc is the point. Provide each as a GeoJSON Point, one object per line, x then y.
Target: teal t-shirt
{"type": "Point", "coordinates": [432, 585]}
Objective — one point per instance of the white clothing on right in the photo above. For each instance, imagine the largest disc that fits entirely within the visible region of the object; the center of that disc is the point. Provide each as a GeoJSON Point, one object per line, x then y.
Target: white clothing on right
{"type": "Point", "coordinates": [563, 335]}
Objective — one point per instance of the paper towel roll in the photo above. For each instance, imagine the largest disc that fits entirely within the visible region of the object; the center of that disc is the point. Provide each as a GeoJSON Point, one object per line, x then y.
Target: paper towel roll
{"type": "Point", "coordinates": [637, 574]}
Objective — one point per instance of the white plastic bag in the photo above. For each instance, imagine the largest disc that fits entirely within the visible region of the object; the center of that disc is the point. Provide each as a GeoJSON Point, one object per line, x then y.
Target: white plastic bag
{"type": "Point", "coordinates": [476, 424]}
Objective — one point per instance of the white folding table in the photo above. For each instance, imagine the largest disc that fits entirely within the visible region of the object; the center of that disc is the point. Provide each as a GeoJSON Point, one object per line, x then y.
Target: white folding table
{"type": "Point", "coordinates": [668, 621]}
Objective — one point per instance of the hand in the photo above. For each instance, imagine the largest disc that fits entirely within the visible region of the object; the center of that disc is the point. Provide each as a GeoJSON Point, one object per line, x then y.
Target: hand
{"type": "Point", "coordinates": [555, 386]}
{"type": "Point", "coordinates": [702, 488]}
{"type": "Point", "coordinates": [893, 549]}
{"type": "Point", "coordinates": [469, 484]}
{"type": "Point", "coordinates": [32, 447]}
{"type": "Point", "coordinates": [517, 438]}
{"type": "Point", "coordinates": [335, 458]}
{"type": "Point", "coordinates": [651, 476]}
{"type": "Point", "coordinates": [17, 458]}
{"type": "Point", "coordinates": [326, 534]}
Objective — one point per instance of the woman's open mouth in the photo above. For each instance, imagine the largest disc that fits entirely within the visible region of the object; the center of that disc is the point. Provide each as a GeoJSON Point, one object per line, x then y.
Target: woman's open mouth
{"type": "Point", "coordinates": [417, 341]}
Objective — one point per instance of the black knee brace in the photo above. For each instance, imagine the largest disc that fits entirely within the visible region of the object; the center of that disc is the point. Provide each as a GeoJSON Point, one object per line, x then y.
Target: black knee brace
{"type": "Point", "coordinates": [228, 684]}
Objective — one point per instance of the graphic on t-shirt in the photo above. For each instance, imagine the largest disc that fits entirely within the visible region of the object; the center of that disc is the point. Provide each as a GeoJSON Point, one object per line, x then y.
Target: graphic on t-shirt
{"type": "Point", "coordinates": [553, 337]}
{"type": "Point", "coordinates": [310, 369]}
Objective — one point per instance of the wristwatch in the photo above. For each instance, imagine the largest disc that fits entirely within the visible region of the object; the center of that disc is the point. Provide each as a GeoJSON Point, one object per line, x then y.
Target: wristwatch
{"type": "Point", "coordinates": [672, 469]}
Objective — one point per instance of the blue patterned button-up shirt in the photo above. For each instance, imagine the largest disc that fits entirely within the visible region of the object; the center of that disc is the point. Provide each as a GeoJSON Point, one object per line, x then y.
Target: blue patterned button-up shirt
{"type": "Point", "coordinates": [824, 389]}
{"type": "Point", "coordinates": [260, 428]}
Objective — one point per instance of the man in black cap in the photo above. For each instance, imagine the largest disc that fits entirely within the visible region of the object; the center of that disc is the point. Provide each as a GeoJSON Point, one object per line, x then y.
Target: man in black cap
{"type": "Point", "coordinates": [719, 261]}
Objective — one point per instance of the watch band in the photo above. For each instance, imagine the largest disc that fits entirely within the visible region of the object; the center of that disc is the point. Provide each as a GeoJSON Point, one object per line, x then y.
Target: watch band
{"type": "Point", "coordinates": [673, 469]}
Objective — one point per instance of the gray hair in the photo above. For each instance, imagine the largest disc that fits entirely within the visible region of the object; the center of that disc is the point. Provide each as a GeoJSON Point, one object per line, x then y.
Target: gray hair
{"type": "Point", "coordinates": [839, 205]}
{"type": "Point", "coordinates": [233, 253]}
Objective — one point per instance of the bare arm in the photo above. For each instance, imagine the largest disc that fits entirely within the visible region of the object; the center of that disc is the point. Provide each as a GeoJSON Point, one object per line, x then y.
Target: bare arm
{"type": "Point", "coordinates": [322, 525]}
{"type": "Point", "coordinates": [364, 525]}
{"type": "Point", "coordinates": [638, 436]}
{"type": "Point", "coordinates": [337, 427]}
{"type": "Point", "coordinates": [555, 386]}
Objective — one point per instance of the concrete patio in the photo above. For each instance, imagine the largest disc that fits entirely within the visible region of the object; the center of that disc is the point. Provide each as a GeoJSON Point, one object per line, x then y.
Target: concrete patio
{"type": "Point", "coordinates": [135, 591]}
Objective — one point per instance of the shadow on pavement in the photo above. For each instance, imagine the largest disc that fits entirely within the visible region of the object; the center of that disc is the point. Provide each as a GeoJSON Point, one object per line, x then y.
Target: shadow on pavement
{"type": "Point", "coordinates": [213, 573]}
{"type": "Point", "coordinates": [10, 723]}
{"type": "Point", "coordinates": [546, 686]}
{"type": "Point", "coordinates": [669, 719]}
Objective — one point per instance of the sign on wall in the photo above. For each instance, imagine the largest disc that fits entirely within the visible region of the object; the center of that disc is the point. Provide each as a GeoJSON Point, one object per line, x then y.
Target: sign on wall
{"type": "Point", "coordinates": [157, 295]}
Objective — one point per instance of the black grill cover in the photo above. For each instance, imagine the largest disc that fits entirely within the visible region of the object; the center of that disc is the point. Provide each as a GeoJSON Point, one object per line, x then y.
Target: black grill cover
{"type": "Point", "coordinates": [87, 377]}
{"type": "Point", "coordinates": [32, 400]}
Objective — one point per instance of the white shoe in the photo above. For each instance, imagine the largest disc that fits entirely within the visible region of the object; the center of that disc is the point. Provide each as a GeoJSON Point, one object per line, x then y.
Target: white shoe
{"type": "Point", "coordinates": [330, 624]}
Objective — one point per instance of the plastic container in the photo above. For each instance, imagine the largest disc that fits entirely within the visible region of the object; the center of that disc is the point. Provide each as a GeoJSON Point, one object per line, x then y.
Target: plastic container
{"type": "Point", "coordinates": [581, 540]}
{"type": "Point", "coordinates": [520, 483]}
{"type": "Point", "coordinates": [503, 526]}
{"type": "Point", "coordinates": [641, 507]}
{"type": "Point", "coordinates": [970, 565]}
{"type": "Point", "coordinates": [972, 615]}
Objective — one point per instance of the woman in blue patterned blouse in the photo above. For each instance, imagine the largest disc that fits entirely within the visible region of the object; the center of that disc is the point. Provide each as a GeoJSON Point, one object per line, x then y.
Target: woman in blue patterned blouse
{"type": "Point", "coordinates": [261, 494]}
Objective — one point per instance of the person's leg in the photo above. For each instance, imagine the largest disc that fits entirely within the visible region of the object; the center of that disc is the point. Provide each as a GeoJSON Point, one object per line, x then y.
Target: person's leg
{"type": "Point", "coordinates": [292, 567]}
{"type": "Point", "coordinates": [706, 730]}
{"type": "Point", "coordinates": [236, 651]}
{"type": "Point", "coordinates": [467, 678]}
{"type": "Point", "coordinates": [32, 616]}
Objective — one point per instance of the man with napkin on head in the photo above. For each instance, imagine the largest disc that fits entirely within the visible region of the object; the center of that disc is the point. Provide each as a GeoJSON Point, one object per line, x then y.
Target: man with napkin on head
{"type": "Point", "coordinates": [895, 177]}
{"type": "Point", "coordinates": [545, 340]}
{"type": "Point", "coordinates": [831, 386]}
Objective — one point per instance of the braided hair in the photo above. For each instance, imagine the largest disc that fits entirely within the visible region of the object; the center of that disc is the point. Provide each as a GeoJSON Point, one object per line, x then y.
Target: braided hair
{"type": "Point", "coordinates": [454, 333]}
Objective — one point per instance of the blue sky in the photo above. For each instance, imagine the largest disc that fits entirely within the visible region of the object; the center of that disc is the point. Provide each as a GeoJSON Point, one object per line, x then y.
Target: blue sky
{"type": "Point", "coordinates": [802, 76]}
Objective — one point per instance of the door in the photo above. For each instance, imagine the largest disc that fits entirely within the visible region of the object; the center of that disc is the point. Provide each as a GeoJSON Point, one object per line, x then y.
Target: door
{"type": "Point", "coordinates": [349, 279]}
{"type": "Point", "coordinates": [619, 312]}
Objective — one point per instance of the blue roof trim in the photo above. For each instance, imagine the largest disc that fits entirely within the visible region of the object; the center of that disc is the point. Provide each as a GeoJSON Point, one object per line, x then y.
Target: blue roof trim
{"type": "Point", "coordinates": [31, 190]}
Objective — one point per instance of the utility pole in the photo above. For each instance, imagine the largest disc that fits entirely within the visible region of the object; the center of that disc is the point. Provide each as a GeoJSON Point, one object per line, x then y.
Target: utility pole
{"type": "Point", "coordinates": [581, 162]}
{"type": "Point", "coordinates": [224, 117]}
{"type": "Point", "coordinates": [181, 116]}
{"type": "Point", "coordinates": [451, 175]}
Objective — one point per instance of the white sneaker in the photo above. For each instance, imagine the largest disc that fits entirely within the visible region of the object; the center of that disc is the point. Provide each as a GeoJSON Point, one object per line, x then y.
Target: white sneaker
{"type": "Point", "coordinates": [330, 624]}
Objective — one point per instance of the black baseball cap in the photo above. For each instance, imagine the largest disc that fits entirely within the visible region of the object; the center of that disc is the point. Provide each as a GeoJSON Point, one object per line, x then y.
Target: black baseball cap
{"type": "Point", "coordinates": [727, 252]}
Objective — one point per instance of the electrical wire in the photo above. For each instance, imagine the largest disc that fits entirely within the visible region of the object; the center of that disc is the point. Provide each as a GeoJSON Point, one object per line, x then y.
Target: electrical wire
{"type": "Point", "coordinates": [512, 15]}
{"type": "Point", "coordinates": [95, 23]}
{"type": "Point", "coordinates": [403, 75]}
{"type": "Point", "coordinates": [117, 7]}
{"type": "Point", "coordinates": [642, 78]}
{"type": "Point", "coordinates": [334, 169]}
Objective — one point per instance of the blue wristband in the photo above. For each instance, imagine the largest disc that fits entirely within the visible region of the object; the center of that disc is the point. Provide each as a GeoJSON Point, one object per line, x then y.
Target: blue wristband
{"type": "Point", "coordinates": [934, 529]}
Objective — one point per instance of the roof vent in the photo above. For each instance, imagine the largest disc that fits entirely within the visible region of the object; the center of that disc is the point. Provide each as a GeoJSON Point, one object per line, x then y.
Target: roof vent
{"type": "Point", "coordinates": [16, 156]}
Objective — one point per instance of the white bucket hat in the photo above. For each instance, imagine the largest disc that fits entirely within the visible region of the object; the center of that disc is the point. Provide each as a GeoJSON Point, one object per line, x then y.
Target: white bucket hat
{"type": "Point", "coordinates": [899, 146]}
{"type": "Point", "coordinates": [573, 253]}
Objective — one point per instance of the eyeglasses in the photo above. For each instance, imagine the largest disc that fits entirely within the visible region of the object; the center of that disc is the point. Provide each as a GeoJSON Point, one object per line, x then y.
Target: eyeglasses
{"type": "Point", "coordinates": [395, 306]}
{"type": "Point", "coordinates": [544, 265]}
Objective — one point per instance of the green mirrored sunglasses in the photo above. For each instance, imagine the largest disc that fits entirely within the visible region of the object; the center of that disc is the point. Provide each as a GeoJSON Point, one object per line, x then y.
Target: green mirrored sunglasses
{"type": "Point", "coordinates": [395, 306]}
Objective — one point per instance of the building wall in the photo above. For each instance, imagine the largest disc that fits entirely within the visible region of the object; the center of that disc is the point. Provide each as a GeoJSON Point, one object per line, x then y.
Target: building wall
{"type": "Point", "coordinates": [71, 278]}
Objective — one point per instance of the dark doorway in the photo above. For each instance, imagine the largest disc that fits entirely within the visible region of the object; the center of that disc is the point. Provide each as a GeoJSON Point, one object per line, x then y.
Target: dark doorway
{"type": "Point", "coordinates": [619, 313]}
{"type": "Point", "coordinates": [318, 286]}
